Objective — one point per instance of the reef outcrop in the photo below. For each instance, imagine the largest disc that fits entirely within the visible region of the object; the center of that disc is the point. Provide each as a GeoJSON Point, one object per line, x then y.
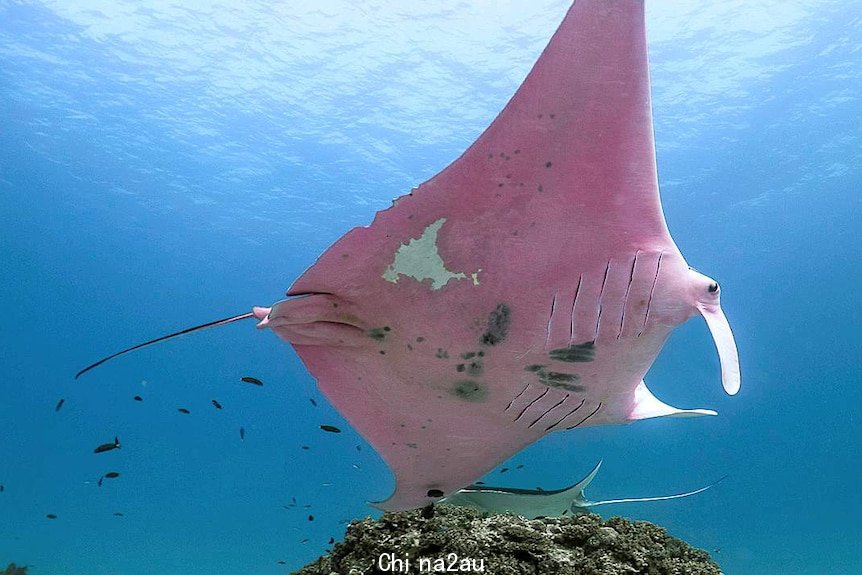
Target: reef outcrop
{"type": "Point", "coordinates": [460, 540]}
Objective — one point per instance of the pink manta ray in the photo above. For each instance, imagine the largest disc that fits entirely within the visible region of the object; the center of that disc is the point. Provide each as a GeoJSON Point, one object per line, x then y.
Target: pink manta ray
{"type": "Point", "coordinates": [525, 289]}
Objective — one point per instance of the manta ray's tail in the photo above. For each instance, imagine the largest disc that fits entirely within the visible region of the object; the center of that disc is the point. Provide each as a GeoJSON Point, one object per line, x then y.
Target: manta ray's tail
{"type": "Point", "coordinates": [188, 330]}
{"type": "Point", "coordinates": [655, 498]}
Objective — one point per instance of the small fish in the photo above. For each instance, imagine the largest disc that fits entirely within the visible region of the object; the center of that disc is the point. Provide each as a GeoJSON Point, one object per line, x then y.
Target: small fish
{"type": "Point", "coordinates": [330, 428]}
{"type": "Point", "coordinates": [314, 403]}
{"type": "Point", "coordinates": [304, 540]}
{"type": "Point", "coordinates": [519, 466]}
{"type": "Point", "coordinates": [112, 475]}
{"type": "Point", "coordinates": [2, 488]}
{"type": "Point", "coordinates": [108, 446]}
{"type": "Point", "coordinates": [305, 447]}
{"type": "Point", "coordinates": [242, 433]}
{"type": "Point", "coordinates": [252, 380]}
{"type": "Point", "coordinates": [101, 479]}
{"type": "Point", "coordinates": [60, 405]}
{"type": "Point", "coordinates": [216, 404]}
{"type": "Point", "coordinates": [331, 540]}
{"type": "Point", "coordinates": [311, 517]}
{"type": "Point", "coordinates": [118, 514]}
{"type": "Point", "coordinates": [138, 398]}
{"type": "Point", "coordinates": [293, 500]}
{"type": "Point", "coordinates": [183, 410]}
{"type": "Point", "coordinates": [282, 562]}
{"type": "Point", "coordinates": [355, 466]}
{"type": "Point", "coordinates": [51, 516]}
{"type": "Point", "coordinates": [358, 448]}
{"type": "Point", "coordinates": [504, 470]}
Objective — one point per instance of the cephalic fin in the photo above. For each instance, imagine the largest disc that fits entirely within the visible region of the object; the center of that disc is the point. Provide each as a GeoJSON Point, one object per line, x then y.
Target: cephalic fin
{"type": "Point", "coordinates": [647, 406]}
{"type": "Point", "coordinates": [312, 319]}
{"type": "Point", "coordinates": [722, 335]}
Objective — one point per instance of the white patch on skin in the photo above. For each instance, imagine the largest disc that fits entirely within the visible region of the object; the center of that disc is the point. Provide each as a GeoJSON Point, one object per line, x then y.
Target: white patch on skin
{"type": "Point", "coordinates": [420, 260]}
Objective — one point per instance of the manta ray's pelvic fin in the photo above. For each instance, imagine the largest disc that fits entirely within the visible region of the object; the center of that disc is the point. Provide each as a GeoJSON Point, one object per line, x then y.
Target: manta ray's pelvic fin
{"type": "Point", "coordinates": [647, 406]}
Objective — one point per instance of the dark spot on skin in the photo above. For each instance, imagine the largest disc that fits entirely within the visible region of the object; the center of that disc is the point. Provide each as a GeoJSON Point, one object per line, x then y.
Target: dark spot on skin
{"type": "Point", "coordinates": [468, 355]}
{"type": "Point", "coordinates": [435, 493]}
{"type": "Point", "coordinates": [556, 379]}
{"type": "Point", "coordinates": [387, 328]}
{"type": "Point", "coordinates": [548, 164]}
{"type": "Point", "coordinates": [575, 353]}
{"type": "Point", "coordinates": [471, 391]}
{"type": "Point", "coordinates": [481, 353]}
{"type": "Point", "coordinates": [377, 333]}
{"type": "Point", "coordinates": [540, 188]}
{"type": "Point", "coordinates": [552, 116]}
{"type": "Point", "coordinates": [498, 325]}
{"type": "Point", "coordinates": [490, 156]}
{"type": "Point", "coordinates": [555, 376]}
{"type": "Point", "coordinates": [428, 511]}
{"type": "Point", "coordinates": [441, 353]}
{"type": "Point", "coordinates": [345, 256]}
{"type": "Point", "coordinates": [561, 381]}
{"type": "Point", "coordinates": [411, 445]}
{"type": "Point", "coordinates": [499, 185]}
{"type": "Point", "coordinates": [382, 352]}
{"type": "Point", "coordinates": [517, 151]}
{"type": "Point", "coordinates": [409, 347]}
{"type": "Point", "coordinates": [335, 305]}
{"type": "Point", "coordinates": [459, 368]}
{"type": "Point", "coordinates": [502, 154]}
{"type": "Point", "coordinates": [539, 116]}
{"type": "Point", "coordinates": [420, 339]}
{"type": "Point", "coordinates": [475, 368]}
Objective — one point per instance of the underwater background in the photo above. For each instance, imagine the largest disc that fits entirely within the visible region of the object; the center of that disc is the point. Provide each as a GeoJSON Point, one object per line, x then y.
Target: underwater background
{"type": "Point", "coordinates": [164, 164]}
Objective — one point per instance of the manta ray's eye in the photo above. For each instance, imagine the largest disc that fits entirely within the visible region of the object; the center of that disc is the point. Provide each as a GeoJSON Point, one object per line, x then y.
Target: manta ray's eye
{"type": "Point", "coordinates": [713, 287]}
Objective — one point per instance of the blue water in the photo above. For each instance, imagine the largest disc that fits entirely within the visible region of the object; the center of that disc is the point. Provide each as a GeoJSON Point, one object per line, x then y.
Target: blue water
{"type": "Point", "coordinates": [164, 166]}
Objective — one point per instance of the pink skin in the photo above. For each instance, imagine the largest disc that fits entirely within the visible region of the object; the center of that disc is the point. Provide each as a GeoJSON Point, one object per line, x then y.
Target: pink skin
{"type": "Point", "coordinates": [552, 235]}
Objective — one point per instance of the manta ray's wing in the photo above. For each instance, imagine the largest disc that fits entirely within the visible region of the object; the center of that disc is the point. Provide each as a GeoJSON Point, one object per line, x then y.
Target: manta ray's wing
{"type": "Point", "coordinates": [524, 289]}
{"type": "Point", "coordinates": [532, 503]}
